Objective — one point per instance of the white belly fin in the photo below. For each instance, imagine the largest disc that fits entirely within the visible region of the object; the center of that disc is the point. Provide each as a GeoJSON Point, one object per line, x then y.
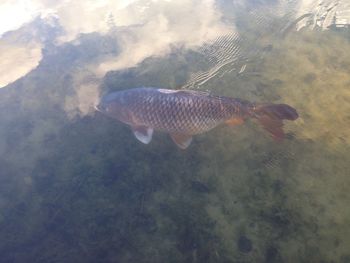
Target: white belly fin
{"type": "Point", "coordinates": [143, 133]}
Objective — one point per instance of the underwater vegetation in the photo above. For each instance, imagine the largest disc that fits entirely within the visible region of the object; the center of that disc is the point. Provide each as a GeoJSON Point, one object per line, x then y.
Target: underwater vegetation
{"type": "Point", "coordinates": [82, 189]}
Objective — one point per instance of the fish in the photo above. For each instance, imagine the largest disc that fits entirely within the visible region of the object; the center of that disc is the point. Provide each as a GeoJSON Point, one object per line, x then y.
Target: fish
{"type": "Point", "coordinates": [185, 113]}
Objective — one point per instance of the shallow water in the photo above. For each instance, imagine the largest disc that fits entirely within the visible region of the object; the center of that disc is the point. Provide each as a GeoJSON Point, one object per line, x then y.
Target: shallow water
{"type": "Point", "coordinates": [76, 186]}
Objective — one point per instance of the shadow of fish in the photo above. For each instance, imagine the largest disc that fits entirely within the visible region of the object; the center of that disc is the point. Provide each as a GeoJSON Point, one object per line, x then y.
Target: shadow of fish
{"type": "Point", "coordinates": [184, 113]}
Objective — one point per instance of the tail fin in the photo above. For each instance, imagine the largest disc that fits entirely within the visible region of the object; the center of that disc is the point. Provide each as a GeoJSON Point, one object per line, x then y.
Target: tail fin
{"type": "Point", "coordinates": [271, 117]}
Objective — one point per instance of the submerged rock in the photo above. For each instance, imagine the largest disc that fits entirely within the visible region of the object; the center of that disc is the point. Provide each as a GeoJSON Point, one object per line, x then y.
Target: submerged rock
{"type": "Point", "coordinates": [244, 244]}
{"type": "Point", "coordinates": [199, 187]}
{"type": "Point", "coordinates": [145, 222]}
{"type": "Point", "coordinates": [271, 255]}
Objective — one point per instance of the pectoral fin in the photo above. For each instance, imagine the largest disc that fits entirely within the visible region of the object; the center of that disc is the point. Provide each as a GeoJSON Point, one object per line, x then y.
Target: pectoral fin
{"type": "Point", "coordinates": [181, 140]}
{"type": "Point", "coordinates": [143, 133]}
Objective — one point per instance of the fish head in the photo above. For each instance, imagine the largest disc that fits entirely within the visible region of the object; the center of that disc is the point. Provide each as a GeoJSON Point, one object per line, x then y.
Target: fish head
{"type": "Point", "coordinates": [115, 105]}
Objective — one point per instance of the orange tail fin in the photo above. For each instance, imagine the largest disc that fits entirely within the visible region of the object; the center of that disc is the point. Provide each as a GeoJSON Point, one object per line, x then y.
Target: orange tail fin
{"type": "Point", "coordinates": [271, 117]}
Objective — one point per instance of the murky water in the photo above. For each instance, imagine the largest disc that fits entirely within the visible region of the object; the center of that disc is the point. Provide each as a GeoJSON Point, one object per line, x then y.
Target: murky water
{"type": "Point", "coordinates": [76, 186]}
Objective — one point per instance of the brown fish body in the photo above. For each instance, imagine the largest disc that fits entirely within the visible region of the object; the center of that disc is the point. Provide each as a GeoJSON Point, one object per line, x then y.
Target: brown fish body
{"type": "Point", "coordinates": [186, 112]}
{"type": "Point", "coordinates": [181, 113]}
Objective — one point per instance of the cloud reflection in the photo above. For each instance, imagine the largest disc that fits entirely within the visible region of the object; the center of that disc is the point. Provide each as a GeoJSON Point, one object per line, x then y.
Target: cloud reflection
{"type": "Point", "coordinates": [153, 26]}
{"type": "Point", "coordinates": [87, 93]}
{"type": "Point", "coordinates": [18, 59]}
{"type": "Point", "coordinates": [142, 28]}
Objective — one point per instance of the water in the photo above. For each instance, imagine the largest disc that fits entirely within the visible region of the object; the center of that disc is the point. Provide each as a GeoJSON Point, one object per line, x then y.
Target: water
{"type": "Point", "coordinates": [76, 186]}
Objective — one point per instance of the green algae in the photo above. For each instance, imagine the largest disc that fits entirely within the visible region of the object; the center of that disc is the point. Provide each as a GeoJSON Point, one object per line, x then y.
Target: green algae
{"type": "Point", "coordinates": [319, 74]}
{"type": "Point", "coordinates": [295, 194]}
{"type": "Point", "coordinates": [84, 190]}
{"type": "Point", "coordinates": [316, 80]}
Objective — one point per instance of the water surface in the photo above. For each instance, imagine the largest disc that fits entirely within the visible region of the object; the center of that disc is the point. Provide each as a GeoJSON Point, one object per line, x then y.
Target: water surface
{"type": "Point", "coordinates": [76, 186]}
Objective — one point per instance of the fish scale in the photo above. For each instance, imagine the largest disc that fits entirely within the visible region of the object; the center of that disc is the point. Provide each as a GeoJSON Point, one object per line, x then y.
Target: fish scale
{"type": "Point", "coordinates": [183, 113]}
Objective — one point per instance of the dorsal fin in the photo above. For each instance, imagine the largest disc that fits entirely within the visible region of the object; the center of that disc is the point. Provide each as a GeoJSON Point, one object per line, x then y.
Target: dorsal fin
{"type": "Point", "coordinates": [185, 91]}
